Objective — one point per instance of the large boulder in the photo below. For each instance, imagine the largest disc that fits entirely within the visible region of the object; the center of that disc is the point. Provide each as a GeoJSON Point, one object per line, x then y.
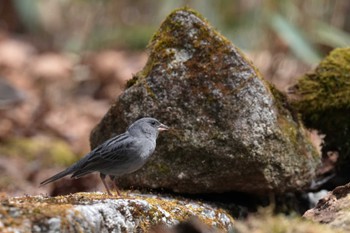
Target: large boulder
{"type": "Point", "coordinates": [231, 131]}
{"type": "Point", "coordinates": [96, 212]}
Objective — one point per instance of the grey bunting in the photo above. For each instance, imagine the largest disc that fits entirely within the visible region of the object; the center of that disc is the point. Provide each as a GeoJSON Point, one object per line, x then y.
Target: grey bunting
{"type": "Point", "coordinates": [120, 155]}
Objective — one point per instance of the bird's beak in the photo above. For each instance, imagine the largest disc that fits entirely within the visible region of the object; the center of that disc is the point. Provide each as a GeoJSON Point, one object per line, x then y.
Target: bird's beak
{"type": "Point", "coordinates": [162, 127]}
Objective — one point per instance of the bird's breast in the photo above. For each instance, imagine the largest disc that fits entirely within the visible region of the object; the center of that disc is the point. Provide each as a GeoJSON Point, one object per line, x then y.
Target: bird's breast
{"type": "Point", "coordinates": [148, 147]}
{"type": "Point", "coordinates": [139, 153]}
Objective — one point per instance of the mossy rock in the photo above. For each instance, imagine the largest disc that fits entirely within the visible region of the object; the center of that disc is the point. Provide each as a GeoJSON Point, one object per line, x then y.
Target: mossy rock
{"type": "Point", "coordinates": [96, 212]}
{"type": "Point", "coordinates": [325, 104]}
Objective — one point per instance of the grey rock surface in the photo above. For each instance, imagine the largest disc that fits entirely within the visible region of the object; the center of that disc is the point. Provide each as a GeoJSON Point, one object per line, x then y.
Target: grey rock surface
{"type": "Point", "coordinates": [333, 210]}
{"type": "Point", "coordinates": [96, 212]}
{"type": "Point", "coordinates": [231, 131]}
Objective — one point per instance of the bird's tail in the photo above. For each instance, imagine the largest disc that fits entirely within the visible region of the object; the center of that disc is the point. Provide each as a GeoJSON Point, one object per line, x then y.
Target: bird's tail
{"type": "Point", "coordinates": [58, 176]}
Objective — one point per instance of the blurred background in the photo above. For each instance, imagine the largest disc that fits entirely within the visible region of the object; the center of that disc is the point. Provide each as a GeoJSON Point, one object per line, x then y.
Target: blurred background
{"type": "Point", "coordinates": [63, 62]}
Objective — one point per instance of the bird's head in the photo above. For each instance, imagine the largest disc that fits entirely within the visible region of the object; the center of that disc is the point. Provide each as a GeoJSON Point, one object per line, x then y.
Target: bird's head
{"type": "Point", "coordinates": [148, 126]}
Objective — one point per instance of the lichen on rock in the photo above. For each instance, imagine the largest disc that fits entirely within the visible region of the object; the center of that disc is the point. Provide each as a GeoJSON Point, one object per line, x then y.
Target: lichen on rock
{"type": "Point", "coordinates": [230, 130]}
{"type": "Point", "coordinates": [95, 212]}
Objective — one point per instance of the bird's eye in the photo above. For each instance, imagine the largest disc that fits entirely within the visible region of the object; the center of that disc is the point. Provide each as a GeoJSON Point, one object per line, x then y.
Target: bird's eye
{"type": "Point", "coordinates": [153, 123]}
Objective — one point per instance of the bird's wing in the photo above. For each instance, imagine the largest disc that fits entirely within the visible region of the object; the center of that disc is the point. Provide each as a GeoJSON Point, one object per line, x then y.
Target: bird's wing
{"type": "Point", "coordinates": [114, 150]}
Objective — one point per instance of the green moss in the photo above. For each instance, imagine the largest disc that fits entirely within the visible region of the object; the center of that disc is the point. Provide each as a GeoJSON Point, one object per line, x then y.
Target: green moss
{"type": "Point", "coordinates": [161, 168]}
{"type": "Point", "coordinates": [132, 81]}
{"type": "Point", "coordinates": [290, 123]}
{"type": "Point", "coordinates": [49, 151]}
{"type": "Point", "coordinates": [282, 103]}
{"type": "Point", "coordinates": [327, 87]}
{"type": "Point", "coordinates": [325, 103]}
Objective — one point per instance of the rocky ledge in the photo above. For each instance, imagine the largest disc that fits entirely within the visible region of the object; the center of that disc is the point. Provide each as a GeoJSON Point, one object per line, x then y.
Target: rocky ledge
{"type": "Point", "coordinates": [97, 212]}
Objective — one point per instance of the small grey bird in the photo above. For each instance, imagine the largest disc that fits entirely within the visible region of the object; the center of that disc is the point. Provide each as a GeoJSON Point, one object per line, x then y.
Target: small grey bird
{"type": "Point", "coordinates": [120, 155]}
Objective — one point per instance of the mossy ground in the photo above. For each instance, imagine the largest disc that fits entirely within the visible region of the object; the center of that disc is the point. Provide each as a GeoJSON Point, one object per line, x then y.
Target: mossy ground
{"type": "Point", "coordinates": [265, 222]}
{"type": "Point", "coordinates": [48, 151]}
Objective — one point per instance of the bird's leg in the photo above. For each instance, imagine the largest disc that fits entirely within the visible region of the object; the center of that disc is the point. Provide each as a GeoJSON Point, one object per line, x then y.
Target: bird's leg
{"type": "Point", "coordinates": [115, 187]}
{"type": "Point", "coordinates": [103, 176]}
